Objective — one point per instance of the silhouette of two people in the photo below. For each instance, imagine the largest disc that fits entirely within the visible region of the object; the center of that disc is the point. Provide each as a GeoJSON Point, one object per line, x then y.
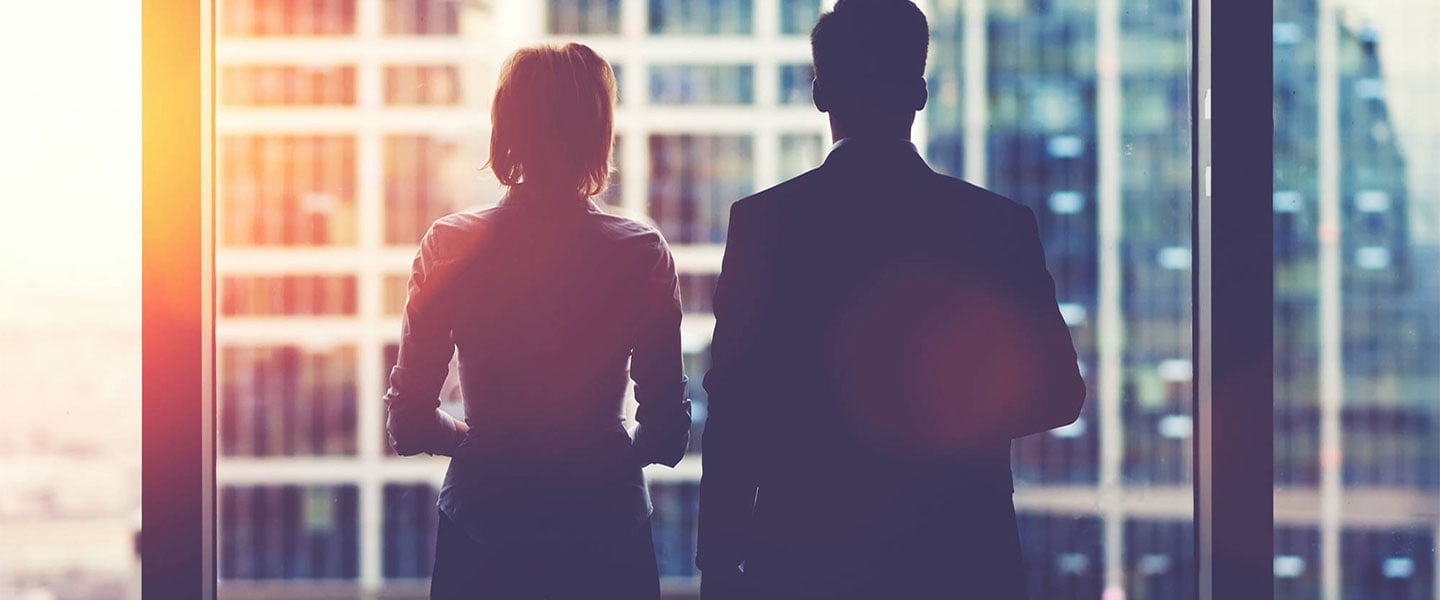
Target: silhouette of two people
{"type": "Point", "coordinates": [882, 333]}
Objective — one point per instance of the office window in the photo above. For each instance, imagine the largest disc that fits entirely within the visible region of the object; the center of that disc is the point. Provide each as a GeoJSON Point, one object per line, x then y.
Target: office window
{"type": "Point", "coordinates": [1063, 555]}
{"type": "Point", "coordinates": [797, 17]}
{"type": "Point", "coordinates": [410, 522]}
{"type": "Point", "coordinates": [413, 85]}
{"type": "Point", "coordinates": [287, 295]}
{"type": "Point", "coordinates": [1357, 273]}
{"type": "Point", "coordinates": [1386, 563]}
{"type": "Point", "coordinates": [451, 400]}
{"type": "Point", "coordinates": [287, 85]}
{"type": "Point", "coordinates": [702, 84]}
{"type": "Point", "coordinates": [286, 401]}
{"type": "Point", "coordinates": [800, 152]}
{"type": "Point", "coordinates": [697, 364]}
{"type": "Point", "coordinates": [286, 190]}
{"type": "Point", "coordinates": [795, 80]}
{"type": "Point", "coordinates": [396, 290]}
{"type": "Point", "coordinates": [266, 18]}
{"type": "Point", "coordinates": [693, 180]}
{"type": "Point", "coordinates": [582, 17]}
{"type": "Point", "coordinates": [701, 17]}
{"type": "Point", "coordinates": [422, 17]}
{"type": "Point", "coordinates": [697, 292]}
{"type": "Point", "coordinates": [1159, 560]}
{"type": "Point", "coordinates": [288, 532]}
{"type": "Point", "coordinates": [1297, 561]}
{"type": "Point", "coordinates": [677, 506]}
{"type": "Point", "coordinates": [416, 185]}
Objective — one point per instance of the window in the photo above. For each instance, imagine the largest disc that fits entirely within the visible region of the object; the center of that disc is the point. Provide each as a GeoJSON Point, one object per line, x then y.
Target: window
{"type": "Point", "coordinates": [422, 17]}
{"type": "Point", "coordinates": [286, 190]}
{"type": "Point", "coordinates": [702, 84]}
{"type": "Point", "coordinates": [287, 401]}
{"type": "Point", "coordinates": [701, 17]}
{"type": "Point", "coordinates": [422, 84]}
{"type": "Point", "coordinates": [795, 80]}
{"type": "Point", "coordinates": [693, 180]}
{"type": "Point", "coordinates": [287, 86]}
{"type": "Point", "coordinates": [798, 16]}
{"type": "Point", "coordinates": [262, 18]}
{"type": "Point", "coordinates": [1357, 272]}
{"type": "Point", "coordinates": [287, 295]}
{"type": "Point", "coordinates": [288, 532]}
{"type": "Point", "coordinates": [416, 192]}
{"type": "Point", "coordinates": [583, 17]}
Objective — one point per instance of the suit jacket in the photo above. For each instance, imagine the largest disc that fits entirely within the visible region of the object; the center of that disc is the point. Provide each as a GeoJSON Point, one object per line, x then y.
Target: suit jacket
{"type": "Point", "coordinates": [882, 333]}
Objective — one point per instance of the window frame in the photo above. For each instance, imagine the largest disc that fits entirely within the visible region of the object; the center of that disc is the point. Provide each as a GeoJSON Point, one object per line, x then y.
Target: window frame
{"type": "Point", "coordinates": [1232, 295]}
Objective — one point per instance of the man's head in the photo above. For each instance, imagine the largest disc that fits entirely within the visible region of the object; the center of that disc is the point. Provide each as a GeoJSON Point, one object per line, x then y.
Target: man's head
{"type": "Point", "coordinates": [870, 65]}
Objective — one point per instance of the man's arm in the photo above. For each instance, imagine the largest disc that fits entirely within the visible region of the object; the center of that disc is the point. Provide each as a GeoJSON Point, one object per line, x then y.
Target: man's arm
{"type": "Point", "coordinates": [662, 432]}
{"type": "Point", "coordinates": [729, 481]}
{"type": "Point", "coordinates": [1053, 392]}
{"type": "Point", "coordinates": [414, 420]}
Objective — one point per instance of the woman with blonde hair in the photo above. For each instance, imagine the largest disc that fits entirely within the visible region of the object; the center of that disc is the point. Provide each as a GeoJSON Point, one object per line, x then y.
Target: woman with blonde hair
{"type": "Point", "coordinates": [549, 302]}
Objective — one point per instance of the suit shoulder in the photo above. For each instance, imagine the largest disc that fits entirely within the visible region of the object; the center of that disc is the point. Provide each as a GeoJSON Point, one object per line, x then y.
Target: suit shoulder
{"type": "Point", "coordinates": [797, 186]}
{"type": "Point", "coordinates": [983, 200]}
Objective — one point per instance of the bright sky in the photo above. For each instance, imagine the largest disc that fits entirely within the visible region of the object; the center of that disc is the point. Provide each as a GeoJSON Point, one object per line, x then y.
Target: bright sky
{"type": "Point", "coordinates": [69, 160]}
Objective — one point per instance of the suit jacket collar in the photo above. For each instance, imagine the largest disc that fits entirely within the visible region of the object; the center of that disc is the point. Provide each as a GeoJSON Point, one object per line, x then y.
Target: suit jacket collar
{"type": "Point", "coordinates": [851, 152]}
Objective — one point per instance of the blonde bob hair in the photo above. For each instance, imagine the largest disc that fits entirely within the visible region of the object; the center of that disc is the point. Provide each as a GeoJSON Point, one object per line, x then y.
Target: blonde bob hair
{"type": "Point", "coordinates": [552, 121]}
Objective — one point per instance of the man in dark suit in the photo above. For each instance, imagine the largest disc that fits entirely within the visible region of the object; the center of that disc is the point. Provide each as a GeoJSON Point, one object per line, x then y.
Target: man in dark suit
{"type": "Point", "coordinates": [882, 333]}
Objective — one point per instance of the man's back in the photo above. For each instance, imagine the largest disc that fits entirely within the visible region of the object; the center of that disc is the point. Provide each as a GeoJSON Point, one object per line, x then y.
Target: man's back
{"type": "Point", "coordinates": [882, 333]}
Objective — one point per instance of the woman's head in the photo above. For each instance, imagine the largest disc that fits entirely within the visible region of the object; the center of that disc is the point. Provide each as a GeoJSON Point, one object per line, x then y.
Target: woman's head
{"type": "Point", "coordinates": [552, 120]}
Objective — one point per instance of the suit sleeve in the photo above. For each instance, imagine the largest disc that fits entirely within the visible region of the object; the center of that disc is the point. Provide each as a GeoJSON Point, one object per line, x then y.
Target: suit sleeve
{"type": "Point", "coordinates": [1054, 392]}
{"type": "Point", "coordinates": [658, 369]}
{"type": "Point", "coordinates": [414, 420]}
{"type": "Point", "coordinates": [729, 481]}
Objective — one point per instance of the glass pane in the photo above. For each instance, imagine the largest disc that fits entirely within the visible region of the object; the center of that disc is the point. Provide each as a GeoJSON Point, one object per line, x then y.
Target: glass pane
{"type": "Point", "coordinates": [1357, 279]}
{"type": "Point", "coordinates": [287, 85]}
{"type": "Point", "coordinates": [422, 17]}
{"type": "Point", "coordinates": [1091, 131]}
{"type": "Point", "coordinates": [70, 300]}
{"type": "Point", "coordinates": [303, 18]}
{"type": "Point", "coordinates": [702, 84]}
{"type": "Point", "coordinates": [693, 180]}
{"type": "Point", "coordinates": [583, 17]}
{"type": "Point", "coordinates": [701, 17]}
{"type": "Point", "coordinates": [798, 16]}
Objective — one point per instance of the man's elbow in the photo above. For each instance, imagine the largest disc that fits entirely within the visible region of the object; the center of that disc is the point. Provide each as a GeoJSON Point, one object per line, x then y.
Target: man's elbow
{"type": "Point", "coordinates": [1068, 402]}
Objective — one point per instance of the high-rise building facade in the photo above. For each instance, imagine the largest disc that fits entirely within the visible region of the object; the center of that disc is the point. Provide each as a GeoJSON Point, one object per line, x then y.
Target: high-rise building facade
{"type": "Point", "coordinates": [345, 127]}
{"type": "Point", "coordinates": [1357, 321]}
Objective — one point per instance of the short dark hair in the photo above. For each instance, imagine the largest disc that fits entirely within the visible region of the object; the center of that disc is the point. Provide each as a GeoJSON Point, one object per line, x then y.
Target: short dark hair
{"type": "Point", "coordinates": [868, 53]}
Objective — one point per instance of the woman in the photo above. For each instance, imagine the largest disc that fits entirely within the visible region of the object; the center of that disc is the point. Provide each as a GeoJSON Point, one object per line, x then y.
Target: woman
{"type": "Point", "coordinates": [547, 299]}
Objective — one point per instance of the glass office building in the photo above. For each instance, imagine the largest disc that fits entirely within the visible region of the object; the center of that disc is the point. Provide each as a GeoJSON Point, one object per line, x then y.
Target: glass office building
{"type": "Point", "coordinates": [345, 127]}
{"type": "Point", "coordinates": [1357, 286]}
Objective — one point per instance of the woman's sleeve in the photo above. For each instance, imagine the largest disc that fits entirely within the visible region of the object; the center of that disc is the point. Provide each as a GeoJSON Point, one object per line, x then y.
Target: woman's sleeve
{"type": "Point", "coordinates": [657, 367]}
{"type": "Point", "coordinates": [414, 420]}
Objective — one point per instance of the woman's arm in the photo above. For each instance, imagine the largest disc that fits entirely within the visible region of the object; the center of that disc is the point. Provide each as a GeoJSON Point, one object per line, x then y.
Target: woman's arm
{"type": "Point", "coordinates": [414, 420]}
{"type": "Point", "coordinates": [656, 365]}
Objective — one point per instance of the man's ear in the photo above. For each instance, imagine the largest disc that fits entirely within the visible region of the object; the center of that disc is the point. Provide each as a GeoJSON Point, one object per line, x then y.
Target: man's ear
{"type": "Point", "coordinates": [820, 95]}
{"type": "Point", "coordinates": [919, 94]}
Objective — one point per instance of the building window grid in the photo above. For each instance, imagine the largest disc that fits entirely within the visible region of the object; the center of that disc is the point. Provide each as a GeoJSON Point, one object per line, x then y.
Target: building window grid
{"type": "Point", "coordinates": [638, 128]}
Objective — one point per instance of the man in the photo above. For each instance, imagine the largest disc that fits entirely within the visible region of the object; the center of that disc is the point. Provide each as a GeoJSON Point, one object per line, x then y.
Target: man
{"type": "Point", "coordinates": [882, 333]}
